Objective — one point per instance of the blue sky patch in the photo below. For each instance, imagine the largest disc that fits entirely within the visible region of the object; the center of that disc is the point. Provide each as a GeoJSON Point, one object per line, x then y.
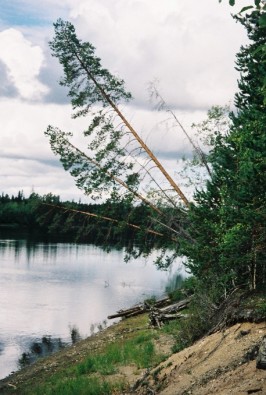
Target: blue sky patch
{"type": "Point", "coordinates": [15, 13]}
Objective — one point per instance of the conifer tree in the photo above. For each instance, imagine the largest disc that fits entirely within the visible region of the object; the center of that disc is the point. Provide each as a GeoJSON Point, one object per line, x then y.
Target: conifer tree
{"type": "Point", "coordinates": [113, 163]}
{"type": "Point", "coordinates": [222, 233]}
{"type": "Point", "coordinates": [227, 219]}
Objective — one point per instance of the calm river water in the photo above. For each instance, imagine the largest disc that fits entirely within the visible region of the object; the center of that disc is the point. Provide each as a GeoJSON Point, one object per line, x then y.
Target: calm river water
{"type": "Point", "coordinates": [47, 288]}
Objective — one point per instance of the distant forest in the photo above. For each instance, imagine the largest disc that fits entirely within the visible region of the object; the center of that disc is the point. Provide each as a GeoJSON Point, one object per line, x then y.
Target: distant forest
{"type": "Point", "coordinates": [47, 217]}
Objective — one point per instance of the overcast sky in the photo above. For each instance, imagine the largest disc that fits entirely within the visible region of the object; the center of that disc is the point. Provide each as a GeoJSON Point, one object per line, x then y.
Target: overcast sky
{"type": "Point", "coordinates": [188, 46]}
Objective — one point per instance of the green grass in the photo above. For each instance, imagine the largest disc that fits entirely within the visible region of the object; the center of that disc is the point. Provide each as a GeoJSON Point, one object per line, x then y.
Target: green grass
{"type": "Point", "coordinates": [89, 376]}
{"type": "Point", "coordinates": [139, 350]}
{"type": "Point", "coordinates": [261, 308]}
{"type": "Point", "coordinates": [79, 386]}
{"type": "Point", "coordinates": [172, 327]}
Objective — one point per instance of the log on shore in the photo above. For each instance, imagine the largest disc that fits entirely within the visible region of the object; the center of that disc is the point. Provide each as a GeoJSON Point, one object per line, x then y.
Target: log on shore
{"type": "Point", "coordinates": [128, 312]}
{"type": "Point", "coordinates": [139, 309]}
{"type": "Point", "coordinates": [173, 308]}
{"type": "Point", "coordinates": [158, 319]}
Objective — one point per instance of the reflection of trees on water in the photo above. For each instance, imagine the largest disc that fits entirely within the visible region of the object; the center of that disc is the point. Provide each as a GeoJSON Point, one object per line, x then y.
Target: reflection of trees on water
{"type": "Point", "coordinates": [40, 348]}
{"type": "Point", "coordinates": [27, 250]}
{"type": "Point", "coordinates": [2, 346]}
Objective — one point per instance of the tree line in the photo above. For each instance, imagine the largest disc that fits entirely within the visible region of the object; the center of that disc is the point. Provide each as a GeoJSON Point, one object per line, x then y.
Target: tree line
{"type": "Point", "coordinates": [48, 217]}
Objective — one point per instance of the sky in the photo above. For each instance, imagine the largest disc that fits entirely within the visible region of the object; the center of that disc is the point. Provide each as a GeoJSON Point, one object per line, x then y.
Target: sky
{"type": "Point", "coordinates": [187, 46]}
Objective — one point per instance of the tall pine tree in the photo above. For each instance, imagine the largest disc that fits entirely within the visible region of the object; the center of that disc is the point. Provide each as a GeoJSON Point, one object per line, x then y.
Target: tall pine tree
{"type": "Point", "coordinates": [228, 218]}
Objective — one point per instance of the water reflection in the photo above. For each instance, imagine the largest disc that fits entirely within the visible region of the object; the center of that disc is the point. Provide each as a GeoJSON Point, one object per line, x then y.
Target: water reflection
{"type": "Point", "coordinates": [30, 250]}
{"type": "Point", "coordinates": [45, 288]}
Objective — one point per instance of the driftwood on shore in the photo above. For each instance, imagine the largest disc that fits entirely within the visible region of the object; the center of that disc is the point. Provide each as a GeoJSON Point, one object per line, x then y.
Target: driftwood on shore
{"type": "Point", "coordinates": [160, 311]}
{"type": "Point", "coordinates": [139, 309]}
{"type": "Point", "coordinates": [171, 312]}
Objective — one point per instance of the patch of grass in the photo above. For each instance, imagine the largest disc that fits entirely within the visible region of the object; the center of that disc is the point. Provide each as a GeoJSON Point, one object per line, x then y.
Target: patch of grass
{"type": "Point", "coordinates": [92, 375]}
{"type": "Point", "coordinates": [80, 386]}
{"type": "Point", "coordinates": [142, 337]}
{"type": "Point", "coordinates": [260, 309]}
{"type": "Point", "coordinates": [142, 353]}
{"type": "Point", "coordinates": [177, 346]}
{"type": "Point", "coordinates": [172, 327]}
{"type": "Point", "coordinates": [103, 363]}
{"type": "Point", "coordinates": [139, 350]}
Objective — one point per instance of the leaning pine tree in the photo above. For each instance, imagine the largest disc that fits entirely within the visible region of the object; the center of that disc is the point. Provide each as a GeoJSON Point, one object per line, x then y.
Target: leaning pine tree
{"type": "Point", "coordinates": [222, 232]}
{"type": "Point", "coordinates": [114, 162]}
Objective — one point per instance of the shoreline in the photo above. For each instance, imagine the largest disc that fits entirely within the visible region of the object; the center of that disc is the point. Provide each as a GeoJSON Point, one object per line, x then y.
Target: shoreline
{"type": "Point", "coordinates": [222, 362]}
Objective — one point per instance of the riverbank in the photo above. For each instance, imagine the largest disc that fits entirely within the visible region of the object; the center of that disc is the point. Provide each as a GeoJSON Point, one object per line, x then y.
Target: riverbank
{"type": "Point", "coordinates": [49, 375]}
{"type": "Point", "coordinates": [130, 357]}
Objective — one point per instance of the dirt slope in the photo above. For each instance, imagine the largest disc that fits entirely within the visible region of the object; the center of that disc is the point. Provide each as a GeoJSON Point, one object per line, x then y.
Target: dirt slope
{"type": "Point", "coordinates": [222, 363]}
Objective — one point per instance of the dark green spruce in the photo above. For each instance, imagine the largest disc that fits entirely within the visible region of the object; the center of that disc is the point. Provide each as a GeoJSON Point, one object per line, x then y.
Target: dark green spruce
{"type": "Point", "coordinates": [227, 219]}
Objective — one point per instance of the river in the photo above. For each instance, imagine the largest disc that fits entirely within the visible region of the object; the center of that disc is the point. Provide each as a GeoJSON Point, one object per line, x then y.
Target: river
{"type": "Point", "coordinates": [48, 288]}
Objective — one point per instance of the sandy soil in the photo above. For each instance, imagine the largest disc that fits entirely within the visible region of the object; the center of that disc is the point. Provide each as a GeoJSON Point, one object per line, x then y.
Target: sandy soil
{"type": "Point", "coordinates": [222, 363]}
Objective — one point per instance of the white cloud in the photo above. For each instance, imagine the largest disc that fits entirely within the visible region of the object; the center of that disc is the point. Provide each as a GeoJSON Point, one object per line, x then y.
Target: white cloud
{"type": "Point", "coordinates": [26, 159]}
{"type": "Point", "coordinates": [23, 61]}
{"type": "Point", "coordinates": [26, 175]}
{"type": "Point", "coordinates": [189, 46]}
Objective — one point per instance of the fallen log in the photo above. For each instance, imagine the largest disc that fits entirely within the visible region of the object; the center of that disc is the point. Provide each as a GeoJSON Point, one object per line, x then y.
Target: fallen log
{"type": "Point", "coordinates": [170, 317]}
{"type": "Point", "coordinates": [160, 302]}
{"type": "Point", "coordinates": [173, 308]}
{"type": "Point", "coordinates": [157, 319]}
{"type": "Point", "coordinates": [139, 309]}
{"type": "Point", "coordinates": [127, 312]}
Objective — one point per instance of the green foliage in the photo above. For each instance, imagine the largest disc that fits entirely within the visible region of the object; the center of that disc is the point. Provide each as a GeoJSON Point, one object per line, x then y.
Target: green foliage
{"type": "Point", "coordinates": [17, 210]}
{"type": "Point", "coordinates": [40, 349]}
{"type": "Point", "coordinates": [80, 62]}
{"type": "Point", "coordinates": [101, 161]}
{"type": "Point", "coordinates": [49, 218]}
{"type": "Point", "coordinates": [199, 315]}
{"type": "Point", "coordinates": [179, 288]}
{"type": "Point", "coordinates": [227, 220]}
{"type": "Point", "coordinates": [261, 309]}
{"type": "Point", "coordinates": [150, 301]}
{"type": "Point", "coordinates": [259, 8]}
{"type": "Point", "coordinates": [256, 2]}
{"type": "Point", "coordinates": [199, 320]}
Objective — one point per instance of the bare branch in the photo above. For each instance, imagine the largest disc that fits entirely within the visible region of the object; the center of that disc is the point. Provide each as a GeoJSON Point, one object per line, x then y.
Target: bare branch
{"type": "Point", "coordinates": [198, 150]}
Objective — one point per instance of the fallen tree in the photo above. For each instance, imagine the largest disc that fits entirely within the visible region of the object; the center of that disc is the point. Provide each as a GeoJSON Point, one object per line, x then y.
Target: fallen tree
{"type": "Point", "coordinates": [160, 311]}
{"type": "Point", "coordinates": [139, 309]}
